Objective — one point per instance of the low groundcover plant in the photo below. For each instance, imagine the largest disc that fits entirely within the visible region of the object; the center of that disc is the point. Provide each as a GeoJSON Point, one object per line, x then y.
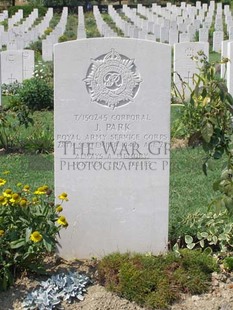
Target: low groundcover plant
{"type": "Point", "coordinates": [60, 287]}
{"type": "Point", "coordinates": [29, 225]}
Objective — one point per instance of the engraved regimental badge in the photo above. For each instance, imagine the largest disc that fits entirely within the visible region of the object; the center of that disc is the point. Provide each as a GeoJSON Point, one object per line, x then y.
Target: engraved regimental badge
{"type": "Point", "coordinates": [112, 80]}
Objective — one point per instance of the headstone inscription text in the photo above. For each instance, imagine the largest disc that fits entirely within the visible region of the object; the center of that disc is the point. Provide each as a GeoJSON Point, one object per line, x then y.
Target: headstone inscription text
{"type": "Point", "coordinates": [112, 115]}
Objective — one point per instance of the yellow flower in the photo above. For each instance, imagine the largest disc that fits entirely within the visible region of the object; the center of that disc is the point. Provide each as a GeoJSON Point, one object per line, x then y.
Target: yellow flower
{"type": "Point", "coordinates": [63, 196]}
{"type": "Point", "coordinates": [3, 200]}
{"type": "Point", "coordinates": [41, 190]}
{"type": "Point", "coordinates": [19, 184]}
{"type": "Point", "coordinates": [2, 182]}
{"type": "Point", "coordinates": [23, 202]}
{"type": "Point", "coordinates": [2, 232]}
{"type": "Point", "coordinates": [6, 172]}
{"type": "Point", "coordinates": [59, 208]}
{"type": "Point", "coordinates": [26, 188]}
{"type": "Point", "coordinates": [7, 193]}
{"type": "Point", "coordinates": [15, 198]}
{"type": "Point", "coordinates": [45, 187]}
{"type": "Point", "coordinates": [62, 221]}
{"type": "Point", "coordinates": [36, 236]}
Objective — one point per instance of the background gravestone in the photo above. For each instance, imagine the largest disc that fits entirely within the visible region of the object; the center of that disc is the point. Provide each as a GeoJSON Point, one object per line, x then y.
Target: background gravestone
{"type": "Point", "coordinates": [11, 67]}
{"type": "Point", "coordinates": [229, 69]}
{"type": "Point", "coordinates": [112, 117]}
{"type": "Point", "coordinates": [184, 64]}
{"type": "Point", "coordinates": [28, 64]}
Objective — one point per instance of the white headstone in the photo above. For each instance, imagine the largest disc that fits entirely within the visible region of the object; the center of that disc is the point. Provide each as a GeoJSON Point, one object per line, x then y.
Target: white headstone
{"type": "Point", "coordinates": [184, 37]}
{"type": "Point", "coordinates": [111, 144]}
{"type": "Point", "coordinates": [11, 66]}
{"type": "Point", "coordinates": [231, 33]}
{"type": "Point", "coordinates": [217, 40]}
{"type": "Point", "coordinates": [173, 36]}
{"type": "Point", "coordinates": [203, 35]}
{"type": "Point", "coordinates": [224, 54]}
{"type": "Point", "coordinates": [164, 34]}
{"type": "Point", "coordinates": [28, 64]}
{"type": "Point", "coordinates": [198, 4]}
{"type": "Point", "coordinates": [12, 45]}
{"type": "Point", "coordinates": [192, 32]}
{"type": "Point", "coordinates": [184, 65]}
{"type": "Point", "coordinates": [205, 7]}
{"type": "Point", "coordinates": [230, 68]}
{"type": "Point", "coordinates": [182, 27]}
{"type": "Point", "coordinates": [218, 26]}
{"type": "Point", "coordinates": [47, 49]}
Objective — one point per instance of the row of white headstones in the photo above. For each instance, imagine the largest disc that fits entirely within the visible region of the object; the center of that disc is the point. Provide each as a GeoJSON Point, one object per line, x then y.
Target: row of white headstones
{"type": "Point", "coordinates": [170, 24]}
{"type": "Point", "coordinates": [21, 36]}
{"type": "Point", "coordinates": [18, 64]}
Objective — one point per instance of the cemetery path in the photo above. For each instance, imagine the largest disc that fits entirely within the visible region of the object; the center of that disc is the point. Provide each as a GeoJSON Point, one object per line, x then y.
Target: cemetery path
{"type": "Point", "coordinates": [220, 296]}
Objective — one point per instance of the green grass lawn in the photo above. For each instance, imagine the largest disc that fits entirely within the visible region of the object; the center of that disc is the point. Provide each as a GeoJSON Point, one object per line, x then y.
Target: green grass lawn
{"type": "Point", "coordinates": [190, 189]}
{"type": "Point", "coordinates": [34, 170]}
{"type": "Point", "coordinates": [35, 165]}
{"type": "Point", "coordinates": [214, 56]}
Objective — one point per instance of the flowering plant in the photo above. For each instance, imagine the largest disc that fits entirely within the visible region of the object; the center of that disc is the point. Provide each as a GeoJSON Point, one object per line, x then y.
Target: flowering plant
{"type": "Point", "coordinates": [29, 225]}
{"type": "Point", "coordinates": [44, 71]}
{"type": "Point", "coordinates": [11, 89]}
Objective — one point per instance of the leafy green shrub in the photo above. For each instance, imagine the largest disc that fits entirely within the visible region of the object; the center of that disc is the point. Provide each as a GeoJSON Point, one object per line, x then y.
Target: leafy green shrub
{"type": "Point", "coordinates": [90, 24]}
{"type": "Point", "coordinates": [36, 46]}
{"type": "Point", "coordinates": [48, 31]}
{"type": "Point", "coordinates": [40, 140]}
{"type": "Point", "coordinates": [207, 118]}
{"type": "Point", "coordinates": [228, 263]}
{"type": "Point", "coordinates": [29, 225]}
{"type": "Point", "coordinates": [12, 115]}
{"type": "Point", "coordinates": [11, 89]}
{"type": "Point", "coordinates": [71, 27]}
{"type": "Point", "coordinates": [63, 38]}
{"type": "Point", "coordinates": [213, 230]}
{"type": "Point", "coordinates": [55, 20]}
{"type": "Point", "coordinates": [27, 9]}
{"type": "Point", "coordinates": [156, 281]}
{"type": "Point", "coordinates": [177, 128]}
{"type": "Point", "coordinates": [41, 10]}
{"type": "Point", "coordinates": [36, 94]}
{"type": "Point", "coordinates": [5, 24]}
{"type": "Point", "coordinates": [206, 115]}
{"type": "Point", "coordinates": [71, 35]}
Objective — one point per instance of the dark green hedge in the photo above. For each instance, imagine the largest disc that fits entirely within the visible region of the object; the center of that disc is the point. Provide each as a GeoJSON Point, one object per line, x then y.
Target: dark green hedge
{"type": "Point", "coordinates": [27, 9]}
